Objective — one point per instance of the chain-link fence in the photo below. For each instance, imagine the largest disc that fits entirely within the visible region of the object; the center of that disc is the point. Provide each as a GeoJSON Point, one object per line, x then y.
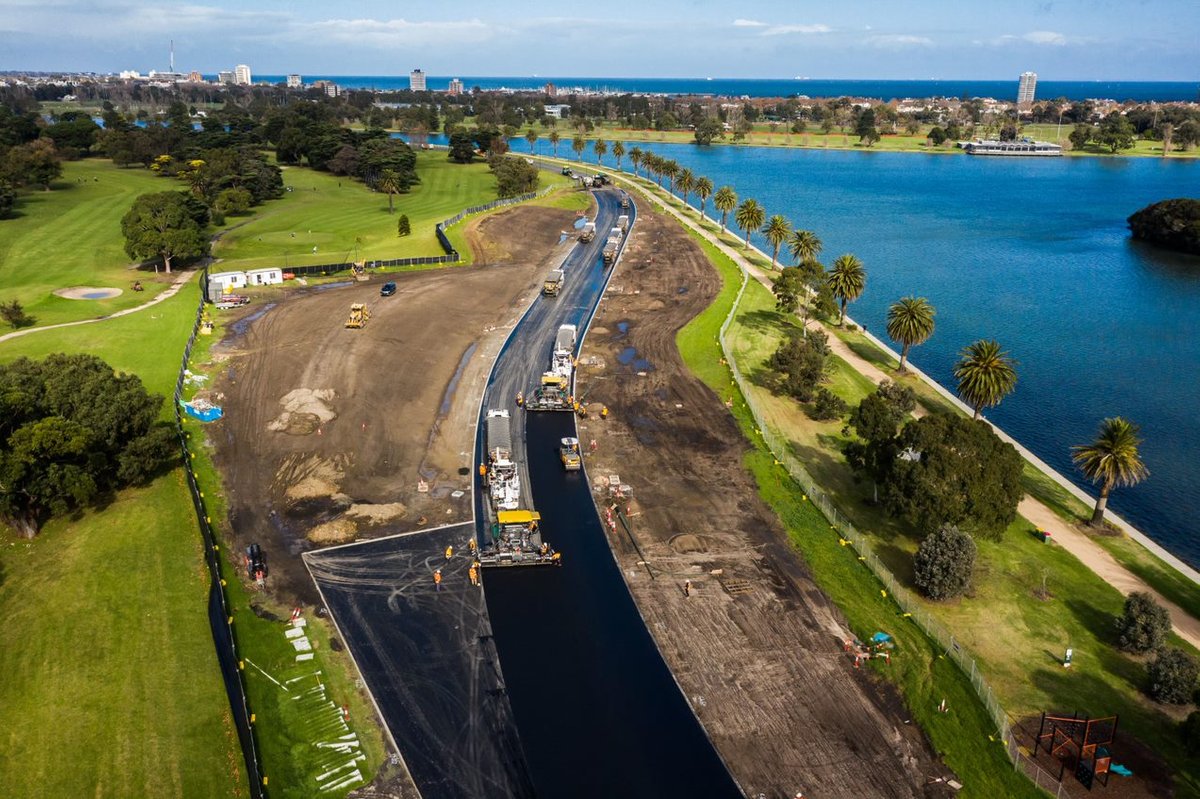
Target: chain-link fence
{"type": "Point", "coordinates": [219, 616]}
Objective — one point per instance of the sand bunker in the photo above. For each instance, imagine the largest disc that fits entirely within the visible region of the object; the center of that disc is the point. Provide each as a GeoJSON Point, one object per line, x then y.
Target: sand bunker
{"type": "Point", "coordinates": [338, 531]}
{"type": "Point", "coordinates": [305, 410]}
{"type": "Point", "coordinates": [88, 293]}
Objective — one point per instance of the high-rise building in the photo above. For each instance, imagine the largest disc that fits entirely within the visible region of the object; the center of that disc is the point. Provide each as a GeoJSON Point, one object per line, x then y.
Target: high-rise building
{"type": "Point", "coordinates": [330, 88]}
{"type": "Point", "coordinates": [416, 81]}
{"type": "Point", "coordinates": [1026, 89]}
{"type": "Point", "coordinates": [551, 90]}
{"type": "Point", "coordinates": [456, 86]}
{"type": "Point", "coordinates": [294, 82]}
{"type": "Point", "coordinates": [225, 76]}
{"type": "Point", "coordinates": [241, 75]}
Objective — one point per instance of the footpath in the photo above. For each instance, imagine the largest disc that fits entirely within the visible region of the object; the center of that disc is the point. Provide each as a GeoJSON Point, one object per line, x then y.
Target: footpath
{"type": "Point", "coordinates": [171, 291]}
{"type": "Point", "coordinates": [1038, 513]}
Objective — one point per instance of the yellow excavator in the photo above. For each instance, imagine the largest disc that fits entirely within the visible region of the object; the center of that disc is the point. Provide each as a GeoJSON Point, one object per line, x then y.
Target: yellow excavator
{"type": "Point", "coordinates": [358, 316]}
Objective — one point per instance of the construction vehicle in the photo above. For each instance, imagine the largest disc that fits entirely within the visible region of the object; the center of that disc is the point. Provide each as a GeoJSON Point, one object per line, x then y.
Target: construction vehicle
{"type": "Point", "coordinates": [562, 360]}
{"type": "Point", "coordinates": [624, 199]}
{"type": "Point", "coordinates": [256, 564]}
{"type": "Point", "coordinates": [568, 453]}
{"type": "Point", "coordinates": [358, 316]}
{"type": "Point", "coordinates": [588, 231]}
{"type": "Point", "coordinates": [227, 301]}
{"type": "Point", "coordinates": [553, 391]}
{"type": "Point", "coordinates": [610, 250]}
{"type": "Point", "coordinates": [515, 540]}
{"type": "Point", "coordinates": [553, 283]}
{"type": "Point", "coordinates": [623, 223]}
{"type": "Point", "coordinates": [501, 478]}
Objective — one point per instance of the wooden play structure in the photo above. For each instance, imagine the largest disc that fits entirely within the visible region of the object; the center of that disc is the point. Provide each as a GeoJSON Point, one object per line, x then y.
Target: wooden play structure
{"type": "Point", "coordinates": [1079, 743]}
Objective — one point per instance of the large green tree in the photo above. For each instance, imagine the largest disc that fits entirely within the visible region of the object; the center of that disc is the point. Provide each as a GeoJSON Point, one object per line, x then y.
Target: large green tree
{"type": "Point", "coordinates": [750, 217]}
{"type": "Point", "coordinates": [986, 375]}
{"type": "Point", "coordinates": [704, 190]}
{"type": "Point", "coordinates": [1115, 132]}
{"type": "Point", "coordinates": [801, 365]}
{"type": "Point", "coordinates": [163, 225]}
{"type": "Point", "coordinates": [708, 130]}
{"type": "Point", "coordinates": [846, 280]}
{"type": "Point", "coordinates": [909, 323]}
{"type": "Point", "coordinates": [462, 146]}
{"type": "Point", "coordinates": [776, 232]}
{"type": "Point", "coordinates": [865, 127]}
{"type": "Point", "coordinates": [805, 246]}
{"type": "Point", "coordinates": [943, 563]}
{"type": "Point", "coordinates": [35, 163]}
{"type": "Point", "coordinates": [1111, 460]}
{"type": "Point", "coordinates": [725, 201]}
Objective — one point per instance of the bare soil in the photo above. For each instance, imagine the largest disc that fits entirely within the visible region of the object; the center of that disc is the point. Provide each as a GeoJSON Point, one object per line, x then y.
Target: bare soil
{"type": "Point", "coordinates": [332, 434]}
{"type": "Point", "coordinates": [756, 647]}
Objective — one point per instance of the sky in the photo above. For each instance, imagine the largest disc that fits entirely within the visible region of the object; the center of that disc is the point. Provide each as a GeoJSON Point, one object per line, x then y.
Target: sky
{"type": "Point", "coordinates": [882, 39]}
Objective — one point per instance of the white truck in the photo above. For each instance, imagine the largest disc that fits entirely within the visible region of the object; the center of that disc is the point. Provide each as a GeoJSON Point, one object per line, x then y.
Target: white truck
{"type": "Point", "coordinates": [502, 478]}
{"type": "Point", "coordinates": [588, 231]}
{"type": "Point", "coordinates": [623, 223]}
{"type": "Point", "coordinates": [562, 358]}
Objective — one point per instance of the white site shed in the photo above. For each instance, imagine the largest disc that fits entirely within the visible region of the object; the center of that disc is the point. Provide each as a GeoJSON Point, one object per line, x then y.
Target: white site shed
{"type": "Point", "coordinates": [229, 280]}
{"type": "Point", "coordinates": [264, 277]}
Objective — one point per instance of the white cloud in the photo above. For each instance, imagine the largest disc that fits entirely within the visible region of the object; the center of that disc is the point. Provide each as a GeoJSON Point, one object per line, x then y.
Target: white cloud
{"type": "Point", "coordinates": [898, 40]}
{"type": "Point", "coordinates": [1045, 37]}
{"type": "Point", "coordinates": [393, 32]}
{"type": "Point", "coordinates": [748, 23]}
{"type": "Point", "coordinates": [781, 30]}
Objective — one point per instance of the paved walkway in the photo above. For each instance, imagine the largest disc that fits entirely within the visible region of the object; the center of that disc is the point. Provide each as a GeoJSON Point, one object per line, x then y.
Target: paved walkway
{"type": "Point", "coordinates": [1062, 532]}
{"type": "Point", "coordinates": [178, 283]}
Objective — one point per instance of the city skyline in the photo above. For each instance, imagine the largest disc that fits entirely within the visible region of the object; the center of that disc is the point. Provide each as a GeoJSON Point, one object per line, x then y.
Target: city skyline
{"type": "Point", "coordinates": [1069, 39]}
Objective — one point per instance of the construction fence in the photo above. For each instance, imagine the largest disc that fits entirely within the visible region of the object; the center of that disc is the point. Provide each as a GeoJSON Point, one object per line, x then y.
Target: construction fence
{"type": "Point", "coordinates": [219, 616]}
{"type": "Point", "coordinates": [904, 598]}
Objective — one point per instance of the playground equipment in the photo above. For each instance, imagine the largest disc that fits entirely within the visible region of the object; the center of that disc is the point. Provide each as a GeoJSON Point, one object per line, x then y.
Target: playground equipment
{"type": "Point", "coordinates": [1079, 743]}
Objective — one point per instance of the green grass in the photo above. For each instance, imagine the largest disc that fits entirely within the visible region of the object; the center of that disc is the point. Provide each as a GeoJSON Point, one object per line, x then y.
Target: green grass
{"type": "Point", "coordinates": [965, 736]}
{"type": "Point", "coordinates": [106, 650]}
{"type": "Point", "coordinates": [346, 222]}
{"type": "Point", "coordinates": [71, 236]}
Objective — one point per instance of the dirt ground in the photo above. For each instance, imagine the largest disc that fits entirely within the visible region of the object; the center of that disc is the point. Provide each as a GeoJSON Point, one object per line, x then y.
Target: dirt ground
{"type": "Point", "coordinates": [758, 648]}
{"type": "Point", "coordinates": [332, 434]}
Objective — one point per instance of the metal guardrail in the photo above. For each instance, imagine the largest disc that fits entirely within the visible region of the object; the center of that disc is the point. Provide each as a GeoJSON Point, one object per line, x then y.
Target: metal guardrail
{"type": "Point", "coordinates": [219, 617]}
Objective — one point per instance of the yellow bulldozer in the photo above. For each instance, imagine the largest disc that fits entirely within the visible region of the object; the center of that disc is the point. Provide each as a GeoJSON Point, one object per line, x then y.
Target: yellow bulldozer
{"type": "Point", "coordinates": [358, 316]}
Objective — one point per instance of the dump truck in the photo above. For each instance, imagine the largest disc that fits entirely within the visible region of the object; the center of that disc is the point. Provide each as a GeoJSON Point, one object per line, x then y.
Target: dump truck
{"type": "Point", "coordinates": [515, 540]}
{"type": "Point", "coordinates": [624, 199]}
{"type": "Point", "coordinates": [502, 477]}
{"type": "Point", "coordinates": [610, 250]}
{"type": "Point", "coordinates": [358, 316]}
{"type": "Point", "coordinates": [562, 360]}
{"type": "Point", "coordinates": [568, 453]}
{"type": "Point", "coordinates": [553, 283]}
{"type": "Point", "coordinates": [623, 223]}
{"type": "Point", "coordinates": [588, 231]}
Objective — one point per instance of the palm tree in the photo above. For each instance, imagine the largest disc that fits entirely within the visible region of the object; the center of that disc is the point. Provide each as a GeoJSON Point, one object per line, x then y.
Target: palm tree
{"type": "Point", "coordinates": [635, 158]}
{"type": "Point", "coordinates": [577, 144]}
{"type": "Point", "coordinates": [725, 199]}
{"type": "Point", "coordinates": [846, 280]}
{"type": "Point", "coordinates": [669, 170]}
{"type": "Point", "coordinates": [776, 231]}
{"type": "Point", "coordinates": [985, 375]}
{"type": "Point", "coordinates": [1111, 460]}
{"type": "Point", "coordinates": [600, 147]}
{"type": "Point", "coordinates": [388, 181]}
{"type": "Point", "coordinates": [704, 190]}
{"type": "Point", "coordinates": [618, 150]}
{"type": "Point", "coordinates": [804, 246]}
{"type": "Point", "coordinates": [686, 181]}
{"type": "Point", "coordinates": [531, 136]}
{"type": "Point", "coordinates": [910, 322]}
{"type": "Point", "coordinates": [554, 138]}
{"type": "Point", "coordinates": [750, 217]}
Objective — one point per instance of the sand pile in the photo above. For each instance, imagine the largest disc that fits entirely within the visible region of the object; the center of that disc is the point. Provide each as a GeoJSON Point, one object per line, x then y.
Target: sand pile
{"type": "Point", "coordinates": [305, 410]}
{"type": "Point", "coordinates": [377, 514]}
{"type": "Point", "coordinates": [338, 531]}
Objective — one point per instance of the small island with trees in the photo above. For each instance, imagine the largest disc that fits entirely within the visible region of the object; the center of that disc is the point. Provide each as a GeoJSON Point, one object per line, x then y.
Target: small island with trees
{"type": "Point", "coordinates": [1174, 224]}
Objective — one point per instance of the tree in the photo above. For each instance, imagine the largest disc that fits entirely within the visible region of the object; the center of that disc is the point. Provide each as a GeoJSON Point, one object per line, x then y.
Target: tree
{"type": "Point", "coordinates": [937, 136]}
{"type": "Point", "coordinates": [1080, 136]}
{"type": "Point", "coordinates": [827, 406]}
{"type": "Point", "coordinates": [389, 183]}
{"type": "Point", "coordinates": [71, 430]}
{"type": "Point", "coordinates": [909, 323]}
{"type": "Point", "coordinates": [1144, 625]}
{"type": "Point", "coordinates": [1111, 460]}
{"type": "Point", "coordinates": [943, 563]}
{"type": "Point", "coordinates": [462, 146]}
{"type": "Point", "coordinates": [8, 199]}
{"type": "Point", "coordinates": [788, 288]}
{"type": "Point", "coordinates": [531, 136]}
{"type": "Point", "coordinates": [344, 161]}
{"type": "Point", "coordinates": [865, 127]}
{"type": "Point", "coordinates": [1115, 132]}
{"type": "Point", "coordinates": [669, 170]}
{"type": "Point", "coordinates": [686, 181]}
{"type": "Point", "coordinates": [635, 157]}
{"type": "Point", "coordinates": [708, 130]}
{"type": "Point", "coordinates": [554, 140]}
{"type": "Point", "coordinates": [600, 148]}
{"type": "Point", "coordinates": [846, 280]}
{"type": "Point", "coordinates": [618, 151]}
{"type": "Point", "coordinates": [804, 246]}
{"type": "Point", "coordinates": [1173, 675]}
{"type": "Point", "coordinates": [875, 421]}
{"type": "Point", "coordinates": [750, 217]}
{"type": "Point", "coordinates": [776, 233]}
{"type": "Point", "coordinates": [800, 365]}
{"type": "Point", "coordinates": [514, 176]}
{"type": "Point", "coordinates": [403, 226]}
{"type": "Point", "coordinates": [1174, 224]}
{"type": "Point", "coordinates": [577, 145]}
{"type": "Point", "coordinates": [725, 199]}
{"type": "Point", "coordinates": [16, 316]}
{"type": "Point", "coordinates": [163, 225]}
{"type": "Point", "coordinates": [34, 163]}
{"type": "Point", "coordinates": [704, 190]}
{"type": "Point", "coordinates": [985, 375]}
{"type": "Point", "coordinates": [947, 469]}
{"type": "Point", "coordinates": [1189, 729]}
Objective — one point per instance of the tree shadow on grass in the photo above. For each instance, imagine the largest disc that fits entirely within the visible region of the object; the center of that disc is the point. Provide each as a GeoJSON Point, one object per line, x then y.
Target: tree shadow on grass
{"type": "Point", "coordinates": [766, 321]}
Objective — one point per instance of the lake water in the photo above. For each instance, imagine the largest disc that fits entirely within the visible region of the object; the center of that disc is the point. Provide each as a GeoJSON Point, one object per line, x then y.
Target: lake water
{"type": "Point", "coordinates": [1034, 253]}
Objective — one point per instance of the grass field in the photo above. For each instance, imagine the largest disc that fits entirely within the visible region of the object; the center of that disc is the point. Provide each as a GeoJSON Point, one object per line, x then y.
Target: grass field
{"type": "Point", "coordinates": [111, 686]}
{"type": "Point", "coordinates": [72, 237]}
{"type": "Point", "coordinates": [1017, 637]}
{"type": "Point", "coordinates": [347, 222]}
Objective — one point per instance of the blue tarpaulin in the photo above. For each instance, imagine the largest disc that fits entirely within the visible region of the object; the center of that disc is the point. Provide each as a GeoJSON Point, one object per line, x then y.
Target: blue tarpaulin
{"type": "Point", "coordinates": [210, 413]}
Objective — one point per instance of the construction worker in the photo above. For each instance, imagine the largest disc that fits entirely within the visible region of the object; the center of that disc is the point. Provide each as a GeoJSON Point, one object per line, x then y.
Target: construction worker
{"type": "Point", "coordinates": [449, 552]}
{"type": "Point", "coordinates": [474, 575]}
{"type": "Point", "coordinates": [603, 411]}
{"type": "Point", "coordinates": [687, 587]}
{"type": "Point", "coordinates": [471, 546]}
{"type": "Point", "coordinates": [437, 579]}
{"type": "Point", "coordinates": [520, 398]}
{"type": "Point", "coordinates": [545, 548]}
{"type": "Point", "coordinates": [483, 470]}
